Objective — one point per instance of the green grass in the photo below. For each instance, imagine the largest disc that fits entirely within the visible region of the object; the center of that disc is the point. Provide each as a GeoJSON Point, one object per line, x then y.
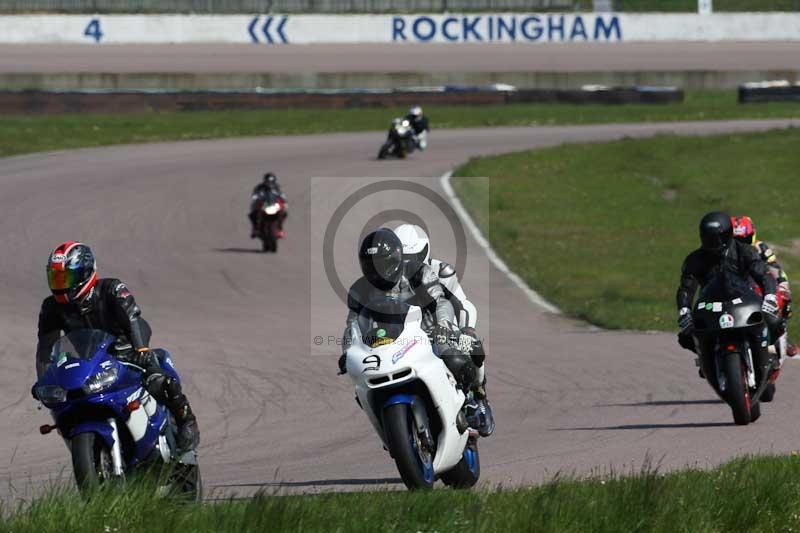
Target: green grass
{"type": "Point", "coordinates": [601, 230]}
{"type": "Point", "coordinates": [751, 494]}
{"type": "Point", "coordinates": [25, 134]}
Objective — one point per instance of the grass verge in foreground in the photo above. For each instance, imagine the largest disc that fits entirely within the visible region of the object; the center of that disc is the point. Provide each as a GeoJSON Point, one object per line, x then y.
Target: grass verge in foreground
{"type": "Point", "coordinates": [601, 230]}
{"type": "Point", "coordinates": [750, 494]}
{"type": "Point", "coordinates": [26, 134]}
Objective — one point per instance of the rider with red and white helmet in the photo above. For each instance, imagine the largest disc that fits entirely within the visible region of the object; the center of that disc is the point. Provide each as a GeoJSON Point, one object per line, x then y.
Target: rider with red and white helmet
{"type": "Point", "coordinates": [81, 300]}
{"type": "Point", "coordinates": [745, 231]}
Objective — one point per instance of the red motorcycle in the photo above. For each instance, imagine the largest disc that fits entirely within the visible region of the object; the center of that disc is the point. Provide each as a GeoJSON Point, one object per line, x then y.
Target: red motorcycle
{"type": "Point", "coordinates": [270, 213]}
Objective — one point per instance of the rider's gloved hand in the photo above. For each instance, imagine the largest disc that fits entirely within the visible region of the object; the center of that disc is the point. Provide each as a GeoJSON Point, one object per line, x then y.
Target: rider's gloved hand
{"type": "Point", "coordinates": [445, 335]}
{"type": "Point", "coordinates": [770, 305]}
{"type": "Point", "coordinates": [343, 364]}
{"type": "Point", "coordinates": [685, 322]}
{"type": "Point", "coordinates": [33, 392]}
{"type": "Point", "coordinates": [142, 357]}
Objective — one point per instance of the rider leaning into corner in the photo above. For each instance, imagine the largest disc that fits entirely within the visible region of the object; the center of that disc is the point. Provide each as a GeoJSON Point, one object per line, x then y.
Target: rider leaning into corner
{"type": "Point", "coordinates": [419, 123]}
{"type": "Point", "coordinates": [720, 252]}
{"type": "Point", "coordinates": [384, 274]}
{"type": "Point", "coordinates": [82, 301]}
{"type": "Point", "coordinates": [269, 185]}
{"type": "Point", "coordinates": [745, 231]}
{"type": "Point", "coordinates": [417, 253]}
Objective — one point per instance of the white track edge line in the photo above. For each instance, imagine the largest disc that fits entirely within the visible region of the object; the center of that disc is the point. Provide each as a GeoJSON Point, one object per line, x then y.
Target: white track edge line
{"type": "Point", "coordinates": [534, 297]}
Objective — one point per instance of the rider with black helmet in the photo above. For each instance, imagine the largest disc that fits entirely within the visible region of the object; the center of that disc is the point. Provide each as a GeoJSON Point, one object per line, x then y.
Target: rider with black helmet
{"type": "Point", "coordinates": [81, 300]}
{"type": "Point", "coordinates": [269, 185]}
{"type": "Point", "coordinates": [386, 274]}
{"type": "Point", "coordinates": [719, 252]}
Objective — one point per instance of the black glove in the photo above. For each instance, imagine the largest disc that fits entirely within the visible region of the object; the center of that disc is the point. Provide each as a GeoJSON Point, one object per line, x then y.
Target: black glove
{"type": "Point", "coordinates": [143, 358]}
{"type": "Point", "coordinates": [33, 391]}
{"type": "Point", "coordinates": [342, 364]}
{"type": "Point", "coordinates": [685, 322]}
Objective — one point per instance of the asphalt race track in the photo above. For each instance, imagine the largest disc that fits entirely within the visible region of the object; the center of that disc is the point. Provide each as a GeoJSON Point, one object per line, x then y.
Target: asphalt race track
{"type": "Point", "coordinates": [170, 220]}
{"type": "Point", "coordinates": [339, 58]}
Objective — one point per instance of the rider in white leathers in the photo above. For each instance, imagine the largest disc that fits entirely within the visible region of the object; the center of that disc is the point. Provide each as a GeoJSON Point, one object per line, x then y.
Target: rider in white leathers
{"type": "Point", "coordinates": [416, 248]}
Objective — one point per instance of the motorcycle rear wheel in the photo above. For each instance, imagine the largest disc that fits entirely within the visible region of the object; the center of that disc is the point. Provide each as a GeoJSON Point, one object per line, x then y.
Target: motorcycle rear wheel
{"type": "Point", "coordinates": [414, 464]}
{"type": "Point", "coordinates": [468, 470]}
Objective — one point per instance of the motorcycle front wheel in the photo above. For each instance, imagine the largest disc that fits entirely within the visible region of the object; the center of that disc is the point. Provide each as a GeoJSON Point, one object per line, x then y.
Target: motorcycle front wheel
{"type": "Point", "coordinates": [414, 462]}
{"type": "Point", "coordinates": [737, 394]}
{"type": "Point", "coordinates": [91, 461]}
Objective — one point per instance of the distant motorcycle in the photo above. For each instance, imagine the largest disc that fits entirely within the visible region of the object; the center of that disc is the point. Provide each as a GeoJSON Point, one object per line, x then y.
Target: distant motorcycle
{"type": "Point", "coordinates": [400, 140]}
{"type": "Point", "coordinates": [413, 398]}
{"type": "Point", "coordinates": [730, 329]}
{"type": "Point", "coordinates": [269, 212]}
{"type": "Point", "coordinates": [110, 423]}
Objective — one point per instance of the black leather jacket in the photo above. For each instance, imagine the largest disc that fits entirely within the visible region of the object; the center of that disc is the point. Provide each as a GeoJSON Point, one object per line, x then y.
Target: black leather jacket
{"type": "Point", "coordinates": [701, 266]}
{"type": "Point", "coordinates": [110, 307]}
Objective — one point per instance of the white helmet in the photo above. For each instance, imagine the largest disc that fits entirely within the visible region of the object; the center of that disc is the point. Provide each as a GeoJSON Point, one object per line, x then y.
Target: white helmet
{"type": "Point", "coordinates": [416, 245]}
{"type": "Point", "coordinates": [416, 112]}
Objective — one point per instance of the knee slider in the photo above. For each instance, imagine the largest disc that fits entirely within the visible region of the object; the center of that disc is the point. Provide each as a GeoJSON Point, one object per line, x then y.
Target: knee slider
{"type": "Point", "coordinates": [461, 366]}
{"type": "Point", "coordinates": [161, 387]}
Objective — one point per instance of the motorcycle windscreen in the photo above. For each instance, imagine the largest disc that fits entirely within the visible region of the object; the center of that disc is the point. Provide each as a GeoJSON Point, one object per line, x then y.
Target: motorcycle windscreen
{"type": "Point", "coordinates": [382, 321]}
{"type": "Point", "coordinates": [80, 344]}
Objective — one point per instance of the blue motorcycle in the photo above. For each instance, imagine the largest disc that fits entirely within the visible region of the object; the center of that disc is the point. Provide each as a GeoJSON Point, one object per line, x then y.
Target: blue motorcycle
{"type": "Point", "coordinates": [110, 423]}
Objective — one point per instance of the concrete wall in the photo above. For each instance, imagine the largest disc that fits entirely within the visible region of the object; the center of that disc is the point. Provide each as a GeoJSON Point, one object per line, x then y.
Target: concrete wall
{"type": "Point", "coordinates": [473, 28]}
{"type": "Point", "coordinates": [389, 80]}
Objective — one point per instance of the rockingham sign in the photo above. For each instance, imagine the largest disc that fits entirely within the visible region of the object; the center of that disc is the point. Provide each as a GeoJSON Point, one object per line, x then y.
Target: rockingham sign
{"type": "Point", "coordinates": [506, 28]}
{"type": "Point", "coordinates": [281, 30]}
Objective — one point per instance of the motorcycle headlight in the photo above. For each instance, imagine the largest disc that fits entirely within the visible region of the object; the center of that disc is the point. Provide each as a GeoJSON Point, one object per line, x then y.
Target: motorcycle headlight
{"type": "Point", "coordinates": [51, 394]}
{"type": "Point", "coordinates": [101, 381]}
{"type": "Point", "coordinates": [272, 209]}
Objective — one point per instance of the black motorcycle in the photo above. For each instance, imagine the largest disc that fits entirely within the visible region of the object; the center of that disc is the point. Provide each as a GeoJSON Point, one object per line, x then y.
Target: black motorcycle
{"type": "Point", "coordinates": [400, 140]}
{"type": "Point", "coordinates": [732, 337]}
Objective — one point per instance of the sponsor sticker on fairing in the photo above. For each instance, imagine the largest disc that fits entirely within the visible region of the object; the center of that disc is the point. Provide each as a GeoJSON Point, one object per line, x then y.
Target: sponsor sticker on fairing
{"type": "Point", "coordinates": [701, 305]}
{"type": "Point", "coordinates": [726, 321]}
{"type": "Point", "coordinates": [736, 301]}
{"type": "Point", "coordinates": [717, 307]}
{"type": "Point", "coordinates": [399, 355]}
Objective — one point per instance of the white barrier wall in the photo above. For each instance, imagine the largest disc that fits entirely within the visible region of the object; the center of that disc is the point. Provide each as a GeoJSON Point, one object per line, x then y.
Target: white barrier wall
{"type": "Point", "coordinates": [472, 28]}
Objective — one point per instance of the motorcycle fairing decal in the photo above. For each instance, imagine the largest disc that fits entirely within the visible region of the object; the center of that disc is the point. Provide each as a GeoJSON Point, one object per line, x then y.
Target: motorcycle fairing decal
{"type": "Point", "coordinates": [374, 360]}
{"type": "Point", "coordinates": [726, 321]}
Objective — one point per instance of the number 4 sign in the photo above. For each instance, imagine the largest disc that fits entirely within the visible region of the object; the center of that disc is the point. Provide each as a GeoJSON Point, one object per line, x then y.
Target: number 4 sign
{"type": "Point", "coordinates": [93, 30]}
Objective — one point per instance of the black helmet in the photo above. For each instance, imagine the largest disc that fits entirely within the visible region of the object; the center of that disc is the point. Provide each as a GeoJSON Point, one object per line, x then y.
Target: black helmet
{"type": "Point", "coordinates": [716, 232]}
{"type": "Point", "coordinates": [381, 258]}
{"type": "Point", "coordinates": [269, 177]}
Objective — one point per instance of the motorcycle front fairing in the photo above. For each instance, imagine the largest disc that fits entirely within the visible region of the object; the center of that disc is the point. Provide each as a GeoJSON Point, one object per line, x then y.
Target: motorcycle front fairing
{"type": "Point", "coordinates": [386, 374]}
{"type": "Point", "coordinates": [726, 315]}
{"type": "Point", "coordinates": [137, 430]}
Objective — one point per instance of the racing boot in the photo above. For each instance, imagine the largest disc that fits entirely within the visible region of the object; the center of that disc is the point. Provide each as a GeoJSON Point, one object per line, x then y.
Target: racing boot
{"type": "Point", "coordinates": [479, 411]}
{"type": "Point", "coordinates": [168, 391]}
{"type": "Point", "coordinates": [188, 437]}
{"type": "Point", "coordinates": [485, 417]}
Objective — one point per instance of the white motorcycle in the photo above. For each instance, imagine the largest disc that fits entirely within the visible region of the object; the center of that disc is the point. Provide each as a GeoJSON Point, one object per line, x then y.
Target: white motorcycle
{"type": "Point", "coordinates": [412, 398]}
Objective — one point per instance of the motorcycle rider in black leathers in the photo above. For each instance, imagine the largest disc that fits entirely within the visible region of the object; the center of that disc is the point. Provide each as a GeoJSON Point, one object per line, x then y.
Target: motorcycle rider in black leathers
{"type": "Point", "coordinates": [261, 192]}
{"type": "Point", "coordinates": [82, 301]}
{"type": "Point", "coordinates": [720, 252]}
{"type": "Point", "coordinates": [386, 275]}
{"type": "Point", "coordinates": [419, 123]}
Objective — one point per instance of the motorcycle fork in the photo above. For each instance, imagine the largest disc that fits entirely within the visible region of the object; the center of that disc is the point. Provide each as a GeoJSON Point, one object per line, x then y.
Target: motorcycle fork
{"type": "Point", "coordinates": [116, 448]}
